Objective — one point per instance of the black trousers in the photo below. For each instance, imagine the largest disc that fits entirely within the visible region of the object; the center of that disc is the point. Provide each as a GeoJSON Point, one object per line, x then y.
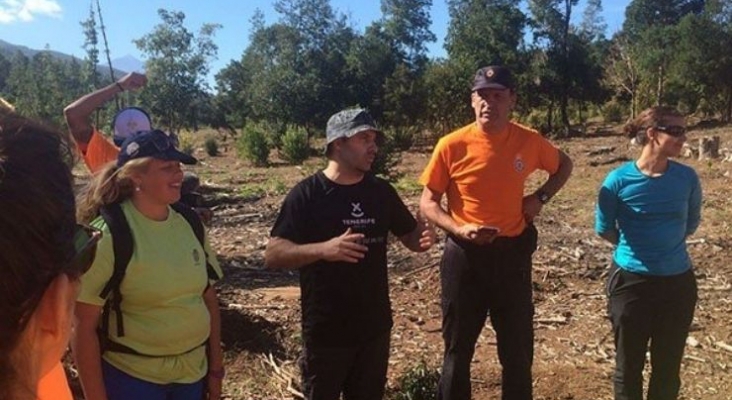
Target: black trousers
{"type": "Point", "coordinates": [477, 281]}
{"type": "Point", "coordinates": [357, 372]}
{"type": "Point", "coordinates": [655, 309]}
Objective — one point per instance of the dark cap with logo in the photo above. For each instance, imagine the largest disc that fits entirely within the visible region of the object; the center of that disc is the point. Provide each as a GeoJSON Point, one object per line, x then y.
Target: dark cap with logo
{"type": "Point", "coordinates": [347, 123]}
{"type": "Point", "coordinates": [493, 77]}
{"type": "Point", "coordinates": [155, 144]}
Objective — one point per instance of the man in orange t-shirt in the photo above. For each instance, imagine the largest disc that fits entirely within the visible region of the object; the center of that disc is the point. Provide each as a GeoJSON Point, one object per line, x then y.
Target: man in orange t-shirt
{"type": "Point", "coordinates": [96, 150]}
{"type": "Point", "coordinates": [486, 265]}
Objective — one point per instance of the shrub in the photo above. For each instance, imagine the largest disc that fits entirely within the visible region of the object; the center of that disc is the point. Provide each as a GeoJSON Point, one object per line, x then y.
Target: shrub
{"type": "Point", "coordinates": [535, 119]}
{"type": "Point", "coordinates": [418, 383]}
{"type": "Point", "coordinates": [386, 160]}
{"type": "Point", "coordinates": [295, 147]}
{"type": "Point", "coordinates": [211, 146]}
{"type": "Point", "coordinates": [252, 145]}
{"type": "Point", "coordinates": [612, 111]}
{"type": "Point", "coordinates": [186, 146]}
{"type": "Point", "coordinates": [402, 138]}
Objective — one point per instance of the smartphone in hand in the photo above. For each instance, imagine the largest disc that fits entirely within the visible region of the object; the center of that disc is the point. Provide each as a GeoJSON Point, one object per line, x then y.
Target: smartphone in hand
{"type": "Point", "coordinates": [488, 230]}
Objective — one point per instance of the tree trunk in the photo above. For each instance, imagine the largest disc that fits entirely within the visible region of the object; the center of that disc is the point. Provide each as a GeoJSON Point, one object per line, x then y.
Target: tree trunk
{"type": "Point", "coordinates": [549, 112]}
{"type": "Point", "coordinates": [708, 147]}
{"type": "Point", "coordinates": [728, 112]}
{"type": "Point", "coordinates": [661, 83]}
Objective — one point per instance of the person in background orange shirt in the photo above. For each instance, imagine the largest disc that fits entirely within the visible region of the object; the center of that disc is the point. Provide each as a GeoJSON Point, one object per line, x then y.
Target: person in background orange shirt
{"type": "Point", "coordinates": [486, 265]}
{"type": "Point", "coordinates": [43, 252]}
{"type": "Point", "coordinates": [96, 150]}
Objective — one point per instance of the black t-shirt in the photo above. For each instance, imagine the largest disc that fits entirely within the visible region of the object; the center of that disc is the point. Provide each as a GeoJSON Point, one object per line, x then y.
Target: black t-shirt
{"type": "Point", "coordinates": [344, 304]}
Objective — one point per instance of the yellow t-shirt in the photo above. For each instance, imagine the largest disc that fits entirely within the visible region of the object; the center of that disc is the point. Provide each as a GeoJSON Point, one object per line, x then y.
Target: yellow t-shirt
{"type": "Point", "coordinates": [162, 303]}
{"type": "Point", "coordinates": [483, 175]}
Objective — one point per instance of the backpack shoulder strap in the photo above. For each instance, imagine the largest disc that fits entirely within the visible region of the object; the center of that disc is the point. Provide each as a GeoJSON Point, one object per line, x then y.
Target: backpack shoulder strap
{"type": "Point", "coordinates": [194, 221]}
{"type": "Point", "coordinates": [123, 246]}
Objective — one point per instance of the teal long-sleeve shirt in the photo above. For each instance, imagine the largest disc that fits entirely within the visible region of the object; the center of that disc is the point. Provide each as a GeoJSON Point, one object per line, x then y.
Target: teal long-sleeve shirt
{"type": "Point", "coordinates": [652, 215]}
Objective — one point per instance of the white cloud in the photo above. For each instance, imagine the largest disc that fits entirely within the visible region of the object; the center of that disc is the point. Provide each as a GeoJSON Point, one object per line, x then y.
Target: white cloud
{"type": "Point", "coordinates": [27, 10]}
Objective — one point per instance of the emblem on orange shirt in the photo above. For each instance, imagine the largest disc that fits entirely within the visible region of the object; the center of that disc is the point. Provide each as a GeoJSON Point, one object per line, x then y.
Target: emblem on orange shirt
{"type": "Point", "coordinates": [518, 164]}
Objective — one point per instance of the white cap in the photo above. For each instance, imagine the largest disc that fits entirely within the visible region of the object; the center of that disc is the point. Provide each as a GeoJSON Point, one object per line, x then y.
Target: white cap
{"type": "Point", "coordinates": [127, 122]}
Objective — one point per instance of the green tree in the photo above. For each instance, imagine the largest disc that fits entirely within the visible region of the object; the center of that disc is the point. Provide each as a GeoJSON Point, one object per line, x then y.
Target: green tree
{"type": "Point", "coordinates": [643, 14]}
{"type": "Point", "coordinates": [177, 64]}
{"type": "Point", "coordinates": [700, 68]}
{"type": "Point", "coordinates": [448, 103]}
{"type": "Point", "coordinates": [650, 25]}
{"type": "Point", "coordinates": [91, 40]}
{"type": "Point", "coordinates": [621, 71]}
{"type": "Point", "coordinates": [407, 24]}
{"type": "Point", "coordinates": [486, 32]}
{"type": "Point", "coordinates": [4, 72]}
{"type": "Point", "coordinates": [553, 33]}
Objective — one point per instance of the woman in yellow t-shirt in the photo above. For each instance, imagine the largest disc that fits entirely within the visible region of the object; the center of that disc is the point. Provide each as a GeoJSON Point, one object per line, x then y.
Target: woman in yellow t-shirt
{"type": "Point", "coordinates": [170, 347]}
{"type": "Point", "coordinates": [42, 253]}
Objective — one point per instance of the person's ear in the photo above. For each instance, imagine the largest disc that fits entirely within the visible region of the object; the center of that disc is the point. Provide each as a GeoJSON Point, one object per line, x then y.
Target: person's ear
{"type": "Point", "coordinates": [651, 134]}
{"type": "Point", "coordinates": [54, 316]}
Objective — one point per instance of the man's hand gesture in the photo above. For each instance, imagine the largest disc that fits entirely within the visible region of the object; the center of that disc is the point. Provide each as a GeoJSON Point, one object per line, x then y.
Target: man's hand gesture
{"type": "Point", "coordinates": [346, 247]}
{"type": "Point", "coordinates": [132, 81]}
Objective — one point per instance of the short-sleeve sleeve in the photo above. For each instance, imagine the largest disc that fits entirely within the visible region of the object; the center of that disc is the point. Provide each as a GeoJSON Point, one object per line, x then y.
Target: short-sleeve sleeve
{"type": "Point", "coordinates": [548, 155]}
{"type": "Point", "coordinates": [436, 174]}
{"type": "Point", "coordinates": [289, 220]}
{"type": "Point", "coordinates": [94, 280]}
{"type": "Point", "coordinates": [99, 152]}
{"type": "Point", "coordinates": [402, 222]}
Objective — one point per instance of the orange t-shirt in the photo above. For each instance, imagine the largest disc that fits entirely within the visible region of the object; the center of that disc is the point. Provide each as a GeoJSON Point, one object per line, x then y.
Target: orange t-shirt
{"type": "Point", "coordinates": [98, 152]}
{"type": "Point", "coordinates": [54, 385]}
{"type": "Point", "coordinates": [483, 174]}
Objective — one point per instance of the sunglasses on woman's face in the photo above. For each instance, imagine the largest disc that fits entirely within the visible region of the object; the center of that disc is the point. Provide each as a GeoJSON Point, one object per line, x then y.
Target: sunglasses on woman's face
{"type": "Point", "coordinates": [85, 245]}
{"type": "Point", "coordinates": [671, 130]}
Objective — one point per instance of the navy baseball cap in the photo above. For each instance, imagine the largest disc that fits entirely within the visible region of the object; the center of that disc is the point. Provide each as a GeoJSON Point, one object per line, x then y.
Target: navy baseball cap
{"type": "Point", "coordinates": [155, 144]}
{"type": "Point", "coordinates": [493, 77]}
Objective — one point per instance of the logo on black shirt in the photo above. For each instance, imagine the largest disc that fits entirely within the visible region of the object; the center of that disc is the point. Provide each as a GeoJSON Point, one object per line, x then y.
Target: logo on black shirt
{"type": "Point", "coordinates": [357, 212]}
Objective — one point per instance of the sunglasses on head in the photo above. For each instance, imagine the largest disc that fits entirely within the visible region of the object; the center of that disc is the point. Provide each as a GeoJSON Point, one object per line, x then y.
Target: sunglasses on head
{"type": "Point", "coordinates": [165, 141]}
{"type": "Point", "coordinates": [672, 130]}
{"type": "Point", "coordinates": [85, 249]}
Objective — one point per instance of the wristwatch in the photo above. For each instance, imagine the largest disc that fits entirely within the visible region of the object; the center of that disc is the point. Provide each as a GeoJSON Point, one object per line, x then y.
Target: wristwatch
{"type": "Point", "coordinates": [542, 196]}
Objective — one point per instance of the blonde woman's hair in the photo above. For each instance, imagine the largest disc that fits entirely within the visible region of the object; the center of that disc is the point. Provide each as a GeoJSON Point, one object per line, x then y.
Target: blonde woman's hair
{"type": "Point", "coordinates": [110, 185]}
{"type": "Point", "coordinates": [650, 117]}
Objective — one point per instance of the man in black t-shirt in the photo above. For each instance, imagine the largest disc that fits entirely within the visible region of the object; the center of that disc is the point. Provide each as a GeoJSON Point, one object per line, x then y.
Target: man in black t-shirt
{"type": "Point", "coordinates": [334, 226]}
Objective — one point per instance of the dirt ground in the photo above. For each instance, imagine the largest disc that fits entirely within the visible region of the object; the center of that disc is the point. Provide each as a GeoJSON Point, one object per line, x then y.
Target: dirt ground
{"type": "Point", "coordinates": [574, 350]}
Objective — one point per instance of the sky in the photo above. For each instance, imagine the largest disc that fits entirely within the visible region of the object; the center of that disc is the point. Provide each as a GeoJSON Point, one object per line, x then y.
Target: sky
{"type": "Point", "coordinates": [55, 23]}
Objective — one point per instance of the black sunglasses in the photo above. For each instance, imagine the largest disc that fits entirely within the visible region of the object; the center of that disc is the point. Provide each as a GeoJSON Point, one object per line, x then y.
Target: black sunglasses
{"type": "Point", "coordinates": [672, 130]}
{"type": "Point", "coordinates": [165, 141]}
{"type": "Point", "coordinates": [85, 249]}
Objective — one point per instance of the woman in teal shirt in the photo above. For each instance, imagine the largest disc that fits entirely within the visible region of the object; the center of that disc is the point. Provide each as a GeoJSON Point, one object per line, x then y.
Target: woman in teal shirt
{"type": "Point", "coordinates": [647, 208]}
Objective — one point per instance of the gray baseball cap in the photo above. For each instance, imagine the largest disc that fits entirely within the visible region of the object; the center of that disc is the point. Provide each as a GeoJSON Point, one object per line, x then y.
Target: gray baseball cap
{"type": "Point", "coordinates": [347, 123]}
